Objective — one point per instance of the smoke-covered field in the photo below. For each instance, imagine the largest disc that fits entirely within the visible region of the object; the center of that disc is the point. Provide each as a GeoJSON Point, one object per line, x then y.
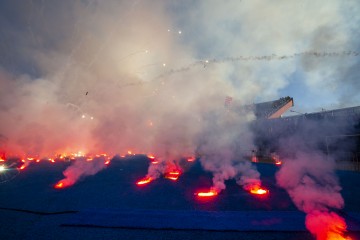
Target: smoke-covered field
{"type": "Point", "coordinates": [86, 80]}
{"type": "Point", "coordinates": [115, 188]}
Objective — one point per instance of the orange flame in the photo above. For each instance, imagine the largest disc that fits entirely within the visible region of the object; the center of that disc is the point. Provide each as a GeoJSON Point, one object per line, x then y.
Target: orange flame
{"type": "Point", "coordinates": [144, 181]}
{"type": "Point", "coordinates": [258, 190]}
{"type": "Point", "coordinates": [59, 185]}
{"type": "Point", "coordinates": [22, 167]}
{"type": "Point", "coordinates": [210, 193]}
{"type": "Point", "coordinates": [173, 175]}
{"type": "Point", "coordinates": [278, 162]}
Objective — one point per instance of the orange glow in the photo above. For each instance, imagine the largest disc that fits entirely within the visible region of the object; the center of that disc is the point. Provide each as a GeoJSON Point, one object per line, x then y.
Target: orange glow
{"type": "Point", "coordinates": [59, 185]}
{"type": "Point", "coordinates": [210, 193]}
{"type": "Point", "coordinates": [144, 181]}
{"type": "Point", "coordinates": [151, 156]}
{"type": "Point", "coordinates": [258, 190]}
{"type": "Point", "coordinates": [30, 159]}
{"type": "Point", "coordinates": [2, 160]}
{"type": "Point", "coordinates": [191, 159]}
{"type": "Point", "coordinates": [89, 159]}
{"type": "Point", "coordinates": [278, 162]}
{"type": "Point", "coordinates": [129, 152]}
{"type": "Point", "coordinates": [22, 167]}
{"type": "Point", "coordinates": [173, 175]}
{"type": "Point", "coordinates": [23, 160]}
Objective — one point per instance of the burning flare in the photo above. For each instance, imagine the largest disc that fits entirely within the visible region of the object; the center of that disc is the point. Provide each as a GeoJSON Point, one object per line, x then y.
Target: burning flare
{"type": "Point", "coordinates": [257, 190]}
{"type": "Point", "coordinates": [144, 181]}
{"type": "Point", "coordinates": [173, 175]}
{"type": "Point", "coordinates": [211, 193]}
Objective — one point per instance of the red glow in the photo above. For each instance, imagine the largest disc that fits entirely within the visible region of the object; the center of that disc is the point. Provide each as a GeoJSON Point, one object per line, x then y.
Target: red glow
{"type": "Point", "coordinates": [278, 162]}
{"type": "Point", "coordinates": [258, 190]}
{"type": "Point", "coordinates": [59, 185]}
{"type": "Point", "coordinates": [210, 193]}
{"type": "Point", "coordinates": [22, 167]}
{"type": "Point", "coordinates": [2, 160]}
{"type": "Point", "coordinates": [151, 156]}
{"type": "Point", "coordinates": [173, 175]}
{"type": "Point", "coordinates": [191, 159]}
{"type": "Point", "coordinates": [144, 181]}
{"type": "Point", "coordinates": [107, 162]}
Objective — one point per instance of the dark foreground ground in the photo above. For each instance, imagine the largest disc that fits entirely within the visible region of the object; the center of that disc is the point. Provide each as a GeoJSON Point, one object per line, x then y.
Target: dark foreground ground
{"type": "Point", "coordinates": [109, 205]}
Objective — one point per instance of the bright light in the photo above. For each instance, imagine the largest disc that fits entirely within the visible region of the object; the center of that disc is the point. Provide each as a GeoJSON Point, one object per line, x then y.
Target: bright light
{"type": "Point", "coordinates": [191, 159]}
{"type": "Point", "coordinates": [107, 162]}
{"type": "Point", "coordinates": [173, 175]}
{"type": "Point", "coordinates": [278, 162]}
{"type": "Point", "coordinates": [210, 193]}
{"type": "Point", "coordinates": [2, 168]}
{"type": "Point", "coordinates": [164, 64]}
{"type": "Point", "coordinates": [59, 185]}
{"type": "Point", "coordinates": [144, 181]}
{"type": "Point", "coordinates": [83, 116]}
{"type": "Point", "coordinates": [179, 32]}
{"type": "Point", "coordinates": [258, 190]}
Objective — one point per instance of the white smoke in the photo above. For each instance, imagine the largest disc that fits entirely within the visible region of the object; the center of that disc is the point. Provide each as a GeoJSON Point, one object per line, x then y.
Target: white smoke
{"type": "Point", "coordinates": [106, 76]}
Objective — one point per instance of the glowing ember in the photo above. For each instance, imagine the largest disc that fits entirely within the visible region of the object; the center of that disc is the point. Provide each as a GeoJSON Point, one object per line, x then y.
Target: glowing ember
{"type": "Point", "coordinates": [59, 185]}
{"type": "Point", "coordinates": [258, 190]}
{"type": "Point", "coordinates": [210, 193]}
{"type": "Point", "coordinates": [278, 162]}
{"type": "Point", "coordinates": [144, 181]}
{"type": "Point", "coordinates": [22, 167]}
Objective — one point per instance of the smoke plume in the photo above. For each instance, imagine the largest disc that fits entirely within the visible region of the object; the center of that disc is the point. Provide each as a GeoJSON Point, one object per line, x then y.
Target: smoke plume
{"type": "Point", "coordinates": [109, 76]}
{"type": "Point", "coordinates": [310, 180]}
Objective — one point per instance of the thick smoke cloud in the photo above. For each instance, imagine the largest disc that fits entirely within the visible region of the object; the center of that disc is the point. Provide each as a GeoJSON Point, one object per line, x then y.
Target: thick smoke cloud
{"type": "Point", "coordinates": [111, 76]}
